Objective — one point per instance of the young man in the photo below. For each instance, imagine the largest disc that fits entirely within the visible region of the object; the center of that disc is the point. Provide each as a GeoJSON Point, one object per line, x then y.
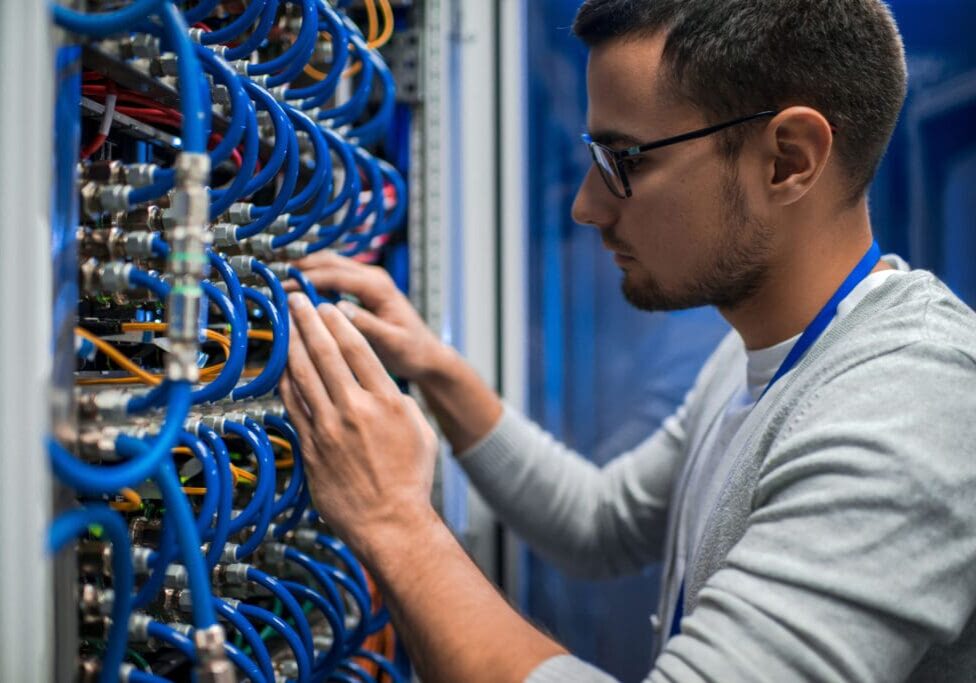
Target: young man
{"type": "Point", "coordinates": [812, 497]}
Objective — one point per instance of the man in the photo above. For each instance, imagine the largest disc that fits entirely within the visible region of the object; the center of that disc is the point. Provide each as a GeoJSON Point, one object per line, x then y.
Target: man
{"type": "Point", "coordinates": [812, 497]}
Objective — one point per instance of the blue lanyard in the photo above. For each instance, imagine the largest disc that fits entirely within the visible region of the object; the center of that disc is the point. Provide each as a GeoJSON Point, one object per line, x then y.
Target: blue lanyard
{"type": "Point", "coordinates": [803, 344]}
{"type": "Point", "coordinates": [827, 313]}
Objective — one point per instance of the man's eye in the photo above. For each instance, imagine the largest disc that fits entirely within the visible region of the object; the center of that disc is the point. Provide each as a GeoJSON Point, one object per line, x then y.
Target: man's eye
{"type": "Point", "coordinates": [632, 164]}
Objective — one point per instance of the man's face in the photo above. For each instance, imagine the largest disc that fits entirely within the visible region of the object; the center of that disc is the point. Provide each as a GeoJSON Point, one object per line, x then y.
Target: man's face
{"type": "Point", "coordinates": [687, 236]}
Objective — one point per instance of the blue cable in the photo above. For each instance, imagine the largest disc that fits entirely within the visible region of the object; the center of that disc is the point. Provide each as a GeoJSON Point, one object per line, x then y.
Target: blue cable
{"type": "Point", "coordinates": [321, 577]}
{"type": "Point", "coordinates": [361, 599]}
{"type": "Point", "coordinates": [323, 164]}
{"type": "Point", "coordinates": [258, 509]}
{"type": "Point", "coordinates": [298, 511]}
{"type": "Point", "coordinates": [221, 199]}
{"type": "Point", "coordinates": [236, 27]}
{"type": "Point", "coordinates": [239, 102]}
{"type": "Point", "coordinates": [138, 676]}
{"type": "Point", "coordinates": [291, 62]}
{"type": "Point", "coordinates": [353, 667]}
{"type": "Point", "coordinates": [187, 537]}
{"type": "Point", "coordinates": [173, 638]}
{"type": "Point", "coordinates": [291, 605]}
{"type": "Point", "coordinates": [225, 501]}
{"type": "Point", "coordinates": [394, 219]}
{"type": "Point", "coordinates": [349, 111]}
{"type": "Point", "coordinates": [192, 103]}
{"type": "Point", "coordinates": [376, 127]}
{"type": "Point", "coordinates": [330, 660]}
{"type": "Point", "coordinates": [106, 23]}
{"type": "Point", "coordinates": [266, 381]}
{"type": "Point", "coordinates": [227, 378]}
{"type": "Point", "coordinates": [200, 11]}
{"type": "Point", "coordinates": [291, 492]}
{"type": "Point", "coordinates": [306, 284]}
{"type": "Point", "coordinates": [340, 55]}
{"type": "Point", "coordinates": [259, 35]}
{"type": "Point", "coordinates": [211, 478]}
{"type": "Point", "coordinates": [383, 663]}
{"type": "Point", "coordinates": [279, 120]}
{"type": "Point", "coordinates": [99, 479]}
{"type": "Point", "coordinates": [250, 634]}
{"type": "Point", "coordinates": [158, 562]}
{"type": "Point", "coordinates": [286, 632]}
{"type": "Point", "coordinates": [68, 526]}
{"type": "Point", "coordinates": [245, 664]}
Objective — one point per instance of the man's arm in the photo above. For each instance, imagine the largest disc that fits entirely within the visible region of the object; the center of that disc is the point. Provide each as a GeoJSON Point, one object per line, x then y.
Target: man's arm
{"type": "Point", "coordinates": [369, 458]}
{"type": "Point", "coordinates": [588, 520]}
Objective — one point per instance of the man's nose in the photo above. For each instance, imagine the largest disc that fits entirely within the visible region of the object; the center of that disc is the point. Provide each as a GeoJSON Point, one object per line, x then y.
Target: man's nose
{"type": "Point", "coordinates": [592, 203]}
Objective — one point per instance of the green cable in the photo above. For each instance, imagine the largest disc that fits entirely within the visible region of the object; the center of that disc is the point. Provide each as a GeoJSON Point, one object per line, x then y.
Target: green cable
{"type": "Point", "coordinates": [139, 659]}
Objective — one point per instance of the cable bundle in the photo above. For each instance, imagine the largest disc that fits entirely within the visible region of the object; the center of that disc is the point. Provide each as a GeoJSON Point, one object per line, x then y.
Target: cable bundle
{"type": "Point", "coordinates": [186, 464]}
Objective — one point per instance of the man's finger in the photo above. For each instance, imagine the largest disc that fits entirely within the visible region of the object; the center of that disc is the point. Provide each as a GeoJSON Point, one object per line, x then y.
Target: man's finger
{"type": "Point", "coordinates": [305, 378]}
{"type": "Point", "coordinates": [369, 284]}
{"type": "Point", "coordinates": [322, 351]}
{"type": "Point", "coordinates": [374, 328]}
{"type": "Point", "coordinates": [295, 405]}
{"type": "Point", "coordinates": [357, 352]}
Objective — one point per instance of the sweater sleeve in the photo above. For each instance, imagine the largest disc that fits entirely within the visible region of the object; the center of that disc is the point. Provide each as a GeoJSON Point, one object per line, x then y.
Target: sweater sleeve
{"type": "Point", "coordinates": [589, 521]}
{"type": "Point", "coordinates": [858, 556]}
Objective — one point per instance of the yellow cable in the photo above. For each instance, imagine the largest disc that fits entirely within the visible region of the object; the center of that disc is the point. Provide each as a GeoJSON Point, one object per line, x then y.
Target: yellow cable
{"type": "Point", "coordinates": [373, 41]}
{"type": "Point", "coordinates": [119, 357]}
{"type": "Point", "coordinates": [132, 503]}
{"type": "Point", "coordinates": [278, 441]}
{"type": "Point", "coordinates": [387, 33]}
{"type": "Point", "coordinates": [284, 464]}
{"type": "Point", "coordinates": [140, 375]}
{"type": "Point", "coordinates": [195, 490]}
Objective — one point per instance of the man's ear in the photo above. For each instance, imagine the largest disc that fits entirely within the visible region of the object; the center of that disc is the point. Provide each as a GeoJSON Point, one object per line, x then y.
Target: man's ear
{"type": "Point", "coordinates": [795, 147]}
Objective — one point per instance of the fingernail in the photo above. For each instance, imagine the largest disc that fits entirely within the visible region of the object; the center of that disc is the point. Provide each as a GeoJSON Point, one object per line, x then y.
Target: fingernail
{"type": "Point", "coordinates": [347, 308]}
{"type": "Point", "coordinates": [298, 300]}
{"type": "Point", "coordinates": [325, 307]}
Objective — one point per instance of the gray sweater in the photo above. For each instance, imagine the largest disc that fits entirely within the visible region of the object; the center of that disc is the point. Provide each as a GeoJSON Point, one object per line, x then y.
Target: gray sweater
{"type": "Point", "coordinates": [843, 543]}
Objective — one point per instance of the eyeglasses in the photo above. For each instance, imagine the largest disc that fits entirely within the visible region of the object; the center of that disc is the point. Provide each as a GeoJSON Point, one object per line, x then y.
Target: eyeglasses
{"type": "Point", "coordinates": [608, 160]}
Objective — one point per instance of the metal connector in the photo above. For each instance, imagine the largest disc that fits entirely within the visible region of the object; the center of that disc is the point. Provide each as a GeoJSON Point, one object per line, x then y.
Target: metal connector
{"type": "Point", "coordinates": [213, 666]}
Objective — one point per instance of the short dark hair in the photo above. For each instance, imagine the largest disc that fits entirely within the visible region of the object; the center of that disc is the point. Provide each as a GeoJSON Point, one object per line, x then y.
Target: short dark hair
{"type": "Point", "coordinates": [844, 58]}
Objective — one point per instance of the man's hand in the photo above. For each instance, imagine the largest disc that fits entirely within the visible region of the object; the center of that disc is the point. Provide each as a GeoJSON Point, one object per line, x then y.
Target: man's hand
{"type": "Point", "coordinates": [369, 453]}
{"type": "Point", "coordinates": [398, 334]}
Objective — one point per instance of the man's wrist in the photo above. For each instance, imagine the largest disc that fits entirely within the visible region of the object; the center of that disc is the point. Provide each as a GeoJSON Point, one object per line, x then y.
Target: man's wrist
{"type": "Point", "coordinates": [381, 544]}
{"type": "Point", "coordinates": [439, 366]}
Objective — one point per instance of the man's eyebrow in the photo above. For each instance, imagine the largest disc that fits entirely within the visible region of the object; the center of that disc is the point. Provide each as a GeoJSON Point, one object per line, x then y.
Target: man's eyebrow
{"type": "Point", "coordinates": [613, 137]}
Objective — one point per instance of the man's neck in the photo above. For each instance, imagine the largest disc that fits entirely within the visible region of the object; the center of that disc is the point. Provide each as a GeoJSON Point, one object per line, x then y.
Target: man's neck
{"type": "Point", "coordinates": [800, 284]}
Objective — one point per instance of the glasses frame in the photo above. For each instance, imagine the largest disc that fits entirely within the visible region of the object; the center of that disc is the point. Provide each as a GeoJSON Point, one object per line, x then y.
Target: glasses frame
{"type": "Point", "coordinates": [619, 155]}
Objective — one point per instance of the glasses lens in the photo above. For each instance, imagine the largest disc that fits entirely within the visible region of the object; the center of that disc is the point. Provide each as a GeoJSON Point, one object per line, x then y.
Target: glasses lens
{"type": "Point", "coordinates": [608, 169]}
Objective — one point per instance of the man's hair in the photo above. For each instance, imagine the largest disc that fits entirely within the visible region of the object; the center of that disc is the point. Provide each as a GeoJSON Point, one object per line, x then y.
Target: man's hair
{"type": "Point", "coordinates": [733, 58]}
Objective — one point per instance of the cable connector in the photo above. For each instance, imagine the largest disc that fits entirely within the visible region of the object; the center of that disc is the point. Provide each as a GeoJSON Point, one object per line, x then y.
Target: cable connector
{"type": "Point", "coordinates": [213, 666]}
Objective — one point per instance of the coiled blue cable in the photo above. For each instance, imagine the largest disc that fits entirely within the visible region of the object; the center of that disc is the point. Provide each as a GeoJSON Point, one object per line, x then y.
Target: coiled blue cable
{"type": "Point", "coordinates": [352, 667]}
{"type": "Point", "coordinates": [322, 578]}
{"type": "Point", "coordinates": [211, 479]}
{"type": "Point", "coordinates": [68, 526]}
{"type": "Point", "coordinates": [99, 479]}
{"type": "Point", "coordinates": [234, 28]}
{"type": "Point", "coordinates": [285, 631]}
{"type": "Point", "coordinates": [383, 663]}
{"type": "Point", "coordinates": [271, 373]}
{"type": "Point", "coordinates": [290, 494]}
{"type": "Point", "coordinates": [200, 11]}
{"type": "Point", "coordinates": [221, 199]}
{"type": "Point", "coordinates": [291, 62]}
{"type": "Point", "coordinates": [239, 102]}
{"type": "Point", "coordinates": [291, 605]}
{"type": "Point", "coordinates": [349, 111]}
{"type": "Point", "coordinates": [379, 125]}
{"type": "Point", "coordinates": [258, 509]}
{"type": "Point", "coordinates": [225, 501]}
{"type": "Point", "coordinates": [259, 35]}
{"type": "Point", "coordinates": [106, 23]}
{"type": "Point", "coordinates": [187, 538]}
{"type": "Point", "coordinates": [323, 164]}
{"type": "Point", "coordinates": [327, 662]}
{"type": "Point", "coordinates": [250, 634]}
{"type": "Point", "coordinates": [340, 55]}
